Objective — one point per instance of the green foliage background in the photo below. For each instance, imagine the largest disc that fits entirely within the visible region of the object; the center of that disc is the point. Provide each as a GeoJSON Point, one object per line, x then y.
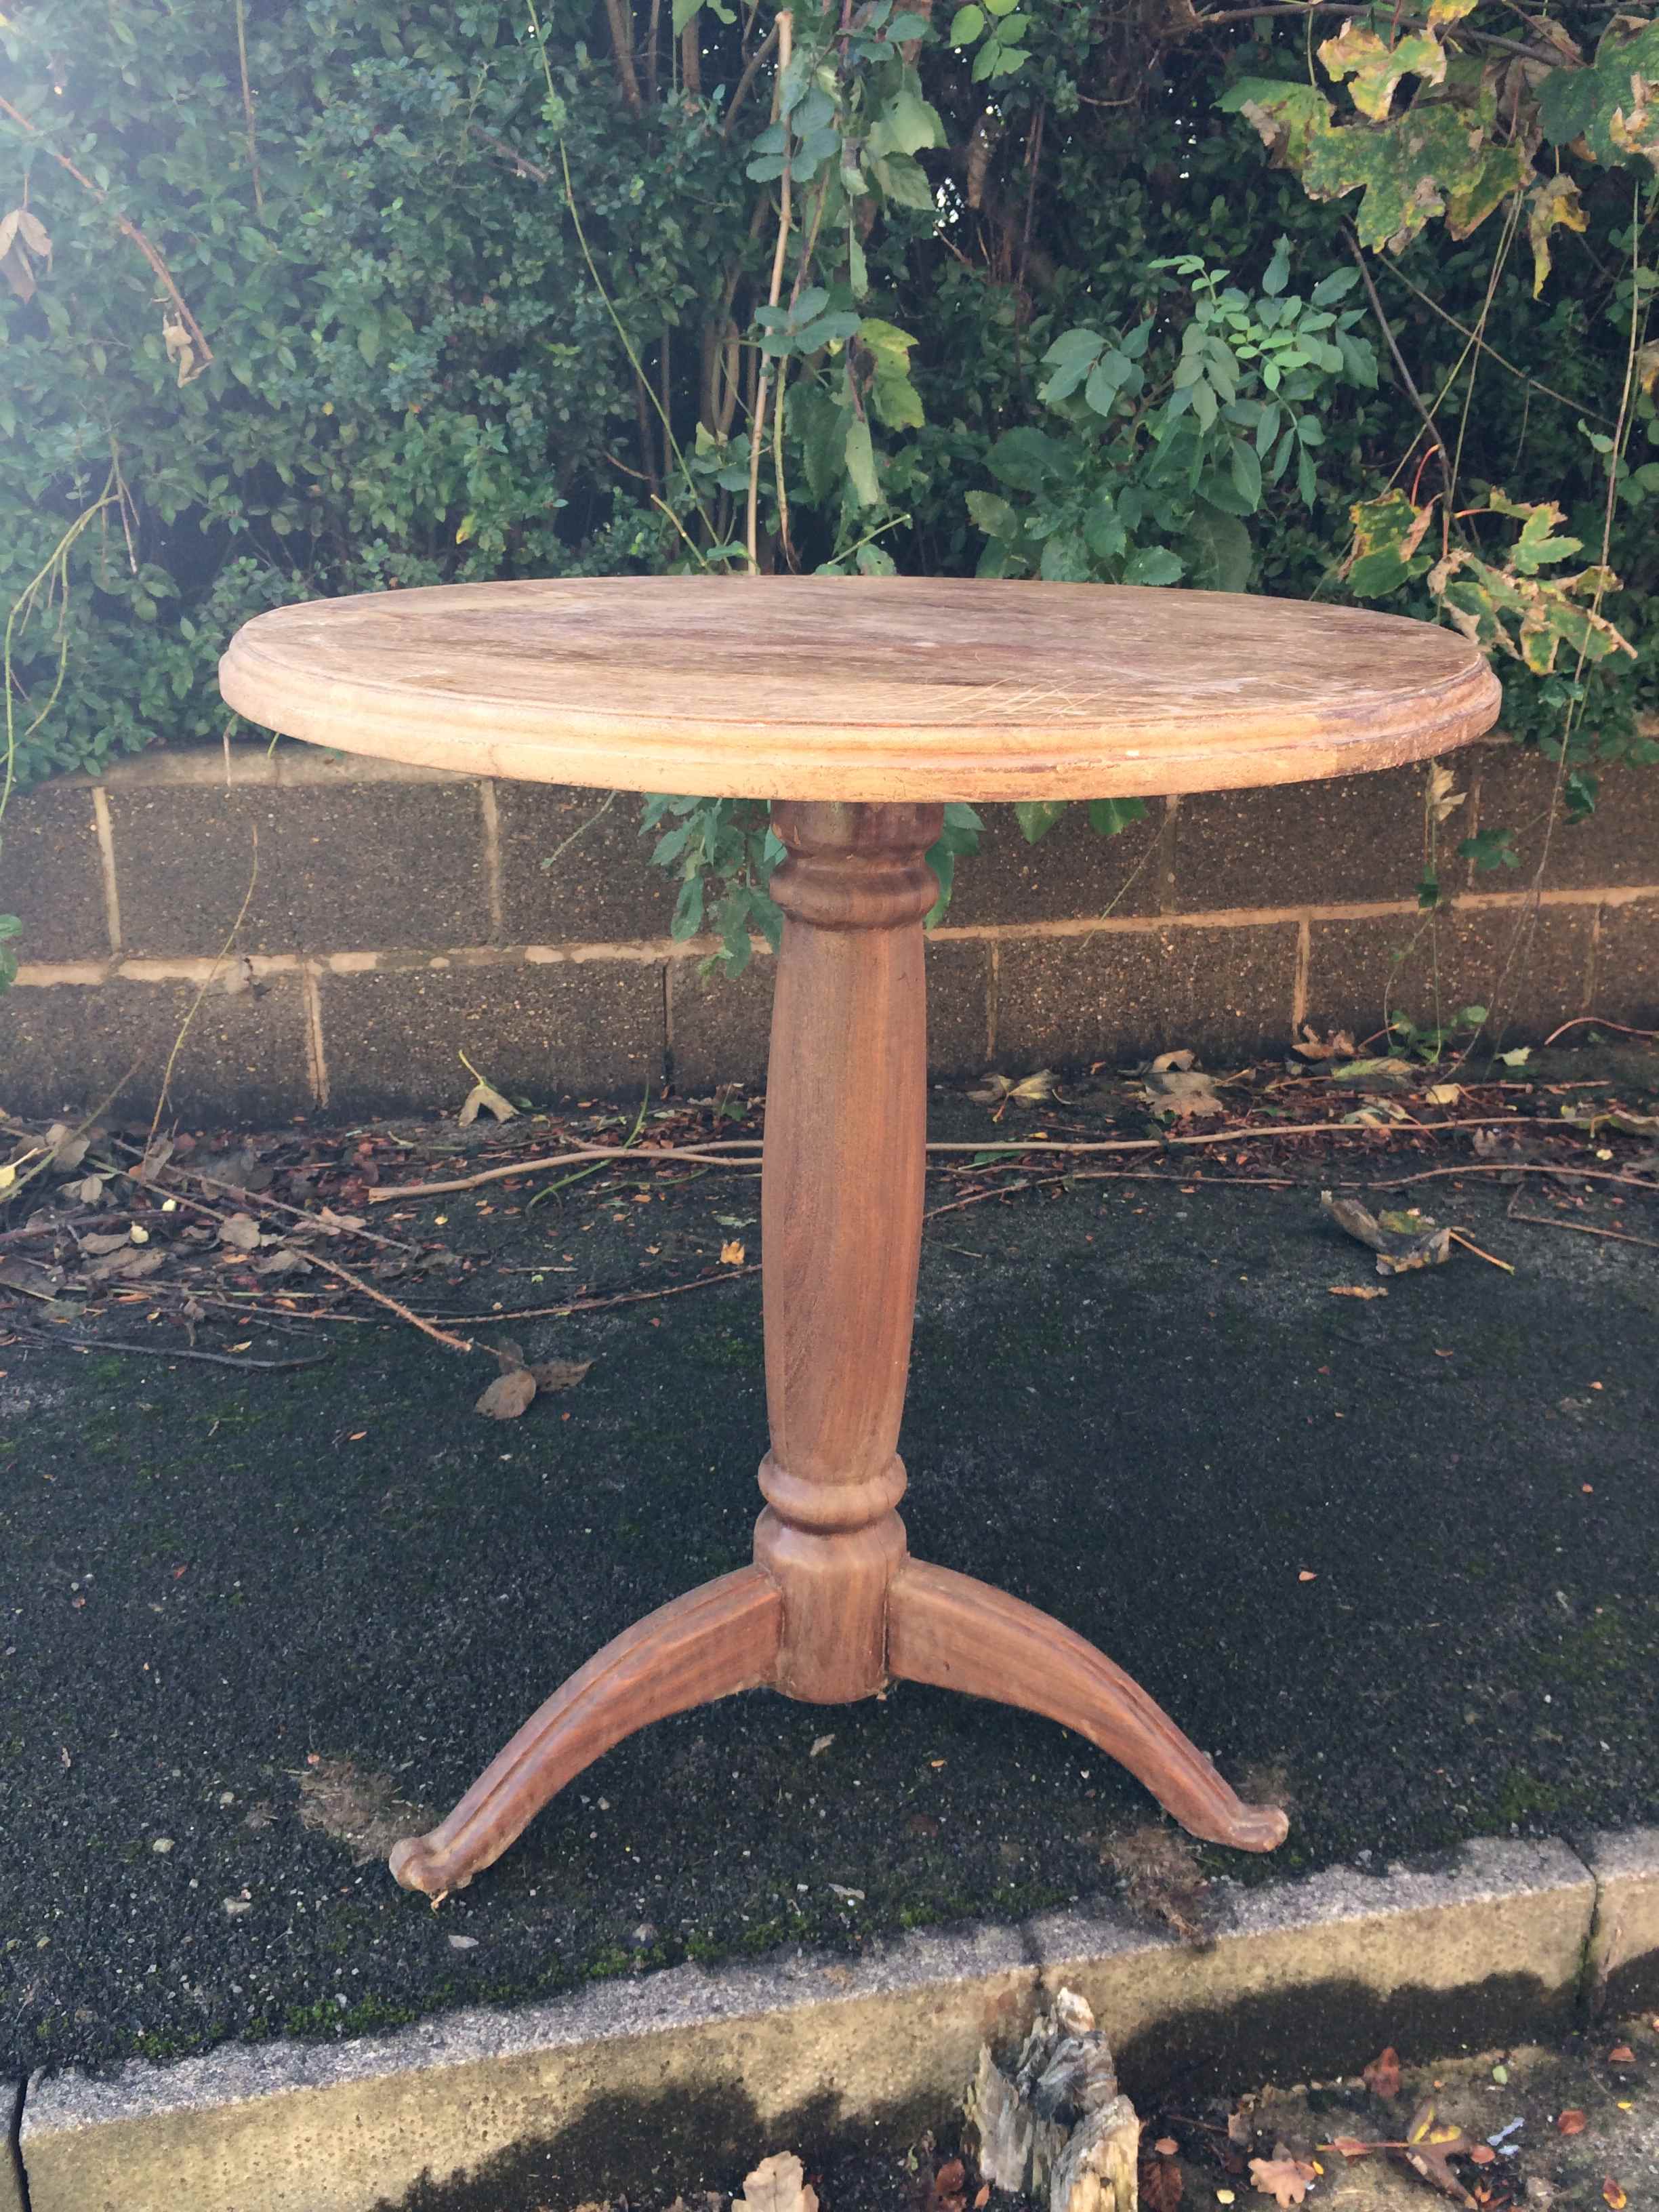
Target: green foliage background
{"type": "Point", "coordinates": [422, 370]}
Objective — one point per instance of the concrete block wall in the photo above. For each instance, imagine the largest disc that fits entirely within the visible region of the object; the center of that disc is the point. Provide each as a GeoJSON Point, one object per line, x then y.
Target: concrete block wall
{"type": "Point", "coordinates": [391, 918]}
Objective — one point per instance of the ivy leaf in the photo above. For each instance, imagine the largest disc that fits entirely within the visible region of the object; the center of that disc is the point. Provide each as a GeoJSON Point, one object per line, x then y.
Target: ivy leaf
{"type": "Point", "coordinates": [1065, 559]}
{"type": "Point", "coordinates": [1106, 380]}
{"type": "Point", "coordinates": [1551, 205]}
{"type": "Point", "coordinates": [1106, 817]}
{"type": "Point", "coordinates": [906, 123]}
{"type": "Point", "coordinates": [992, 514]}
{"type": "Point", "coordinates": [1377, 67]}
{"type": "Point", "coordinates": [904, 183]}
{"type": "Point", "coordinates": [1037, 816]}
{"type": "Point", "coordinates": [1387, 534]}
{"type": "Point", "coordinates": [1220, 557]}
{"type": "Point", "coordinates": [1026, 459]}
{"type": "Point", "coordinates": [1153, 564]}
{"type": "Point", "coordinates": [861, 463]}
{"type": "Point", "coordinates": [1614, 105]}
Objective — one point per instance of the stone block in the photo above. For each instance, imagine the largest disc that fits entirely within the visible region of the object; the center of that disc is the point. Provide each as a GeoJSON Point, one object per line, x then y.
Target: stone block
{"type": "Point", "coordinates": [375, 864]}
{"type": "Point", "coordinates": [720, 1027]}
{"type": "Point", "coordinates": [1624, 1945]}
{"type": "Point", "coordinates": [65, 1047]}
{"type": "Point", "coordinates": [1123, 995]}
{"type": "Point", "coordinates": [1530, 968]}
{"type": "Point", "coordinates": [1618, 845]}
{"type": "Point", "coordinates": [602, 887]}
{"type": "Point", "coordinates": [51, 876]}
{"type": "Point", "coordinates": [1626, 988]}
{"type": "Point", "coordinates": [1351, 840]}
{"type": "Point", "coordinates": [536, 1031]}
{"type": "Point", "coordinates": [1071, 874]}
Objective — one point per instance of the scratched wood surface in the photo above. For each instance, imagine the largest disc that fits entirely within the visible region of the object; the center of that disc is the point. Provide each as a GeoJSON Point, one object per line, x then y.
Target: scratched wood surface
{"type": "Point", "coordinates": [851, 688]}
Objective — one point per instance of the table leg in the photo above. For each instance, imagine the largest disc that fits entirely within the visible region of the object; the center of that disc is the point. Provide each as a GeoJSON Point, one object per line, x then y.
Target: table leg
{"type": "Point", "coordinates": [833, 1605]}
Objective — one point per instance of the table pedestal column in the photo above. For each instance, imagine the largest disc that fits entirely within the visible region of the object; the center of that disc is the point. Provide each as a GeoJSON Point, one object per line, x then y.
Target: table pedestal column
{"type": "Point", "coordinates": [833, 1605]}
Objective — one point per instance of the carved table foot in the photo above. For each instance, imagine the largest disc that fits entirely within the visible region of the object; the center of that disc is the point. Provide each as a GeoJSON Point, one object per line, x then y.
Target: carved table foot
{"type": "Point", "coordinates": [715, 1640]}
{"type": "Point", "coordinates": [959, 1634]}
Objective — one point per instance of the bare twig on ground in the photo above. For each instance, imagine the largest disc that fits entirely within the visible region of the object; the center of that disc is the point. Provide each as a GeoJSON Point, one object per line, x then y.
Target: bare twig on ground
{"type": "Point", "coordinates": [156, 1351]}
{"type": "Point", "coordinates": [1515, 1167]}
{"type": "Point", "coordinates": [1600, 1023]}
{"type": "Point", "coordinates": [392, 1305]}
{"type": "Point", "coordinates": [1583, 1228]}
{"type": "Point", "coordinates": [745, 1152]}
{"type": "Point", "coordinates": [598, 1305]}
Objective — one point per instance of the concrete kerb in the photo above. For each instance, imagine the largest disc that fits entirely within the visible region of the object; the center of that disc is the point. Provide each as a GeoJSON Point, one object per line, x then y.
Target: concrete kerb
{"type": "Point", "coordinates": [1623, 1949]}
{"type": "Point", "coordinates": [692, 2070]}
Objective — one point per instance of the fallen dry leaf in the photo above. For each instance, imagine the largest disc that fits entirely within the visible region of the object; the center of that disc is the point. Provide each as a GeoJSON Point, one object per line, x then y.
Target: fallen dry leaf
{"type": "Point", "coordinates": [777, 2184]}
{"type": "Point", "coordinates": [981, 2196]}
{"type": "Point", "coordinates": [1430, 2144]}
{"type": "Point", "coordinates": [1571, 2122]}
{"type": "Point", "coordinates": [1313, 1047]}
{"type": "Point", "coordinates": [1161, 2186]}
{"type": "Point", "coordinates": [1382, 2076]}
{"type": "Point", "coordinates": [1621, 2055]}
{"type": "Point", "coordinates": [1359, 1289]}
{"type": "Point", "coordinates": [1026, 1091]}
{"type": "Point", "coordinates": [484, 1098]}
{"type": "Point", "coordinates": [507, 1396]}
{"type": "Point", "coordinates": [1282, 2177]}
{"type": "Point", "coordinates": [731, 1254]}
{"type": "Point", "coordinates": [240, 1232]}
{"type": "Point", "coordinates": [945, 2190]}
{"type": "Point", "coordinates": [132, 1262]}
{"type": "Point", "coordinates": [1613, 2194]}
{"type": "Point", "coordinates": [1401, 1241]}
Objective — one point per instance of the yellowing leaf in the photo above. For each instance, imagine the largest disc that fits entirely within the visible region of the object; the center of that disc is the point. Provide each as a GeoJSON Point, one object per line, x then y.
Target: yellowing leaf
{"type": "Point", "coordinates": [1551, 205]}
{"type": "Point", "coordinates": [1376, 67]}
{"type": "Point", "coordinates": [732, 1253]}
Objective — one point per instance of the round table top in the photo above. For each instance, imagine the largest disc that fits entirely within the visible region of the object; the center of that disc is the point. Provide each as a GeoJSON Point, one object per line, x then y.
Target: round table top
{"type": "Point", "coordinates": [854, 688]}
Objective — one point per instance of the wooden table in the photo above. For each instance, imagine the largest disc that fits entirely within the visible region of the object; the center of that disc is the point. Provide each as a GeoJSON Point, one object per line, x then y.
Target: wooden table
{"type": "Point", "coordinates": [858, 706]}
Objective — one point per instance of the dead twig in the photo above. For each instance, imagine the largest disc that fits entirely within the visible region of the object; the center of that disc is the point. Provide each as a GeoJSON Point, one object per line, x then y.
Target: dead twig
{"type": "Point", "coordinates": [391, 1304]}
{"type": "Point", "coordinates": [721, 1158]}
{"type": "Point", "coordinates": [744, 1151]}
{"type": "Point", "coordinates": [598, 1305]}
{"type": "Point", "coordinates": [1583, 1228]}
{"type": "Point", "coordinates": [1515, 1167]}
{"type": "Point", "coordinates": [1458, 1237]}
{"type": "Point", "coordinates": [1578, 1021]}
{"type": "Point", "coordinates": [158, 1351]}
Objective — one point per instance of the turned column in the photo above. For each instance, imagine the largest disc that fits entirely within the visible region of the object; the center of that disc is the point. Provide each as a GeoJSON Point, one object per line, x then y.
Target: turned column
{"type": "Point", "coordinates": [841, 1216]}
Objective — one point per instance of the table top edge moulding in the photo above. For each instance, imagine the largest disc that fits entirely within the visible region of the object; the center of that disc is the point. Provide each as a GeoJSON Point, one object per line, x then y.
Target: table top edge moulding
{"type": "Point", "coordinates": [861, 690]}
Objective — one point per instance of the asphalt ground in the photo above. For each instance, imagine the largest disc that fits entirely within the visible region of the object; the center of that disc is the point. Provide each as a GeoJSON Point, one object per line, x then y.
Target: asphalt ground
{"type": "Point", "coordinates": [1390, 1559]}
